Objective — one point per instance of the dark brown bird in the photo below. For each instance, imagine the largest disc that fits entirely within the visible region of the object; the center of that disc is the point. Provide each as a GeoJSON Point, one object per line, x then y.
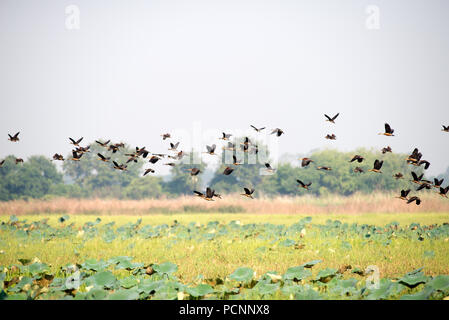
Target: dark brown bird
{"type": "Point", "coordinates": [305, 162]}
{"type": "Point", "coordinates": [425, 185]}
{"type": "Point", "coordinates": [19, 160]}
{"type": "Point", "coordinates": [194, 171]}
{"type": "Point", "coordinates": [331, 119]}
{"type": "Point", "coordinates": [165, 136]}
{"type": "Point", "coordinates": [404, 194]}
{"type": "Point", "coordinates": [59, 157]}
{"type": "Point", "coordinates": [425, 163]}
{"type": "Point", "coordinates": [277, 131]}
{"type": "Point", "coordinates": [386, 149]}
{"type": "Point", "coordinates": [154, 159]}
{"type": "Point", "coordinates": [121, 167]}
{"type": "Point", "coordinates": [83, 149]}
{"type": "Point", "coordinates": [225, 136]}
{"type": "Point", "coordinates": [209, 194]}
{"type": "Point", "coordinates": [416, 199]}
{"type": "Point", "coordinates": [76, 143]}
{"type": "Point", "coordinates": [324, 168]}
{"type": "Point", "coordinates": [248, 193]}
{"type": "Point", "coordinates": [331, 137]}
{"type": "Point", "coordinates": [388, 131]}
{"type": "Point", "coordinates": [103, 158]}
{"type": "Point", "coordinates": [357, 158]}
{"type": "Point", "coordinates": [445, 128]}
{"type": "Point", "coordinates": [414, 157]}
{"type": "Point", "coordinates": [132, 157]}
{"type": "Point", "coordinates": [171, 164]}
{"type": "Point", "coordinates": [76, 156]}
{"type": "Point", "coordinates": [269, 168]}
{"type": "Point", "coordinates": [234, 161]}
{"type": "Point", "coordinates": [227, 171]}
{"type": "Point", "coordinates": [114, 148]}
{"type": "Point", "coordinates": [142, 152]}
{"type": "Point", "coordinates": [103, 144]}
{"type": "Point", "coordinates": [257, 129]}
{"type": "Point", "coordinates": [14, 138]}
{"type": "Point", "coordinates": [437, 183]}
{"type": "Point", "coordinates": [303, 185]}
{"type": "Point", "coordinates": [173, 147]}
{"type": "Point", "coordinates": [377, 165]}
{"type": "Point", "coordinates": [398, 175]}
{"type": "Point", "coordinates": [443, 191]}
{"type": "Point", "coordinates": [358, 170]}
{"type": "Point", "coordinates": [416, 179]}
{"type": "Point", "coordinates": [149, 170]}
{"type": "Point", "coordinates": [211, 149]}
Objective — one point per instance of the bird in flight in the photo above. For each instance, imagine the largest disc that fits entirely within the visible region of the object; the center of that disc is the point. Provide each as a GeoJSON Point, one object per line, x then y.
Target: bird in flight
{"type": "Point", "coordinates": [225, 136]}
{"type": "Point", "coordinates": [331, 137]}
{"type": "Point", "coordinates": [211, 149]}
{"type": "Point", "coordinates": [103, 144]}
{"type": "Point", "coordinates": [358, 170]}
{"type": "Point", "coordinates": [209, 195]}
{"type": "Point", "coordinates": [416, 199]}
{"type": "Point", "coordinates": [324, 168]}
{"type": "Point", "coordinates": [14, 138]}
{"type": "Point", "coordinates": [437, 183]}
{"type": "Point", "coordinates": [443, 191]}
{"type": "Point", "coordinates": [445, 128]}
{"type": "Point", "coordinates": [103, 158]}
{"type": "Point", "coordinates": [404, 194]}
{"type": "Point", "coordinates": [76, 143]}
{"type": "Point", "coordinates": [332, 120]}
{"type": "Point", "coordinates": [303, 185]}
{"type": "Point", "coordinates": [248, 193]}
{"type": "Point", "coordinates": [269, 168]}
{"type": "Point", "coordinates": [194, 171]}
{"type": "Point", "coordinates": [416, 179]}
{"type": "Point", "coordinates": [149, 170]}
{"type": "Point", "coordinates": [377, 165]}
{"type": "Point", "coordinates": [174, 146]}
{"type": "Point", "coordinates": [121, 167]}
{"type": "Point", "coordinates": [19, 160]}
{"type": "Point", "coordinates": [305, 162]}
{"type": "Point", "coordinates": [277, 131]}
{"type": "Point", "coordinates": [388, 131]}
{"type": "Point", "coordinates": [57, 156]}
{"type": "Point", "coordinates": [227, 171]}
{"type": "Point", "coordinates": [386, 149]}
{"type": "Point", "coordinates": [257, 129]}
{"type": "Point", "coordinates": [154, 159]}
{"type": "Point", "coordinates": [234, 161]}
{"type": "Point", "coordinates": [230, 146]}
{"type": "Point", "coordinates": [398, 175]}
{"type": "Point", "coordinates": [357, 158]}
{"type": "Point", "coordinates": [165, 136]}
{"type": "Point", "coordinates": [76, 156]}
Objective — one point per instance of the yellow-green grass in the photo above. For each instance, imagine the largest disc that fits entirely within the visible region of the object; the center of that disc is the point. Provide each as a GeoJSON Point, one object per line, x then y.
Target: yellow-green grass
{"type": "Point", "coordinates": [220, 257]}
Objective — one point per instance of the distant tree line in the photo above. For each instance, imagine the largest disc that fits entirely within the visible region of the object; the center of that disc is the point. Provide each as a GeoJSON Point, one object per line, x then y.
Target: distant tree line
{"type": "Point", "coordinates": [38, 177]}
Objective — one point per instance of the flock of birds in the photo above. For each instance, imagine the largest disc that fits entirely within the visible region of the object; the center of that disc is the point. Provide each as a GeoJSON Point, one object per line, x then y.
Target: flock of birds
{"type": "Point", "coordinates": [415, 159]}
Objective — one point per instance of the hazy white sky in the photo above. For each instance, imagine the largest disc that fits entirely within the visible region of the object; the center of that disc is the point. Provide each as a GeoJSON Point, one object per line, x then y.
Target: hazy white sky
{"type": "Point", "coordinates": [137, 69]}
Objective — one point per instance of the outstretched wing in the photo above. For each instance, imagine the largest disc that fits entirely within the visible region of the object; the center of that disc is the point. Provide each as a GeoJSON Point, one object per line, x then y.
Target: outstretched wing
{"type": "Point", "coordinates": [335, 117]}
{"type": "Point", "coordinates": [300, 182]}
{"type": "Point", "coordinates": [387, 128]}
{"type": "Point", "coordinates": [329, 118]}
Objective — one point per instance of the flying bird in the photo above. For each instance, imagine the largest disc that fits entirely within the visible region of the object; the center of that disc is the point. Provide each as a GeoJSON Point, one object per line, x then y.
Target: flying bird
{"type": "Point", "coordinates": [386, 149]}
{"type": "Point", "coordinates": [165, 136]}
{"type": "Point", "coordinates": [425, 163]}
{"type": "Point", "coordinates": [424, 185]}
{"type": "Point", "coordinates": [248, 193]}
{"type": "Point", "coordinates": [388, 131]}
{"type": "Point", "coordinates": [398, 175]}
{"type": "Point", "coordinates": [75, 143]}
{"type": "Point", "coordinates": [57, 156]}
{"type": "Point", "coordinates": [416, 179]}
{"type": "Point", "coordinates": [230, 146]}
{"type": "Point", "coordinates": [121, 167]}
{"type": "Point", "coordinates": [331, 137]}
{"type": "Point", "coordinates": [377, 165]}
{"type": "Point", "coordinates": [227, 171]}
{"type": "Point", "coordinates": [14, 138]}
{"type": "Point", "coordinates": [234, 161]}
{"type": "Point", "coordinates": [404, 194]}
{"type": "Point", "coordinates": [103, 158]}
{"type": "Point", "coordinates": [357, 158]}
{"type": "Point", "coordinates": [443, 191]}
{"type": "Point", "coordinates": [194, 171]}
{"type": "Point", "coordinates": [324, 168]}
{"type": "Point", "coordinates": [277, 131]}
{"type": "Point", "coordinates": [437, 183]}
{"type": "Point", "coordinates": [76, 156]}
{"type": "Point", "coordinates": [149, 170]}
{"type": "Point", "coordinates": [225, 136]}
{"type": "Point", "coordinates": [331, 119]}
{"type": "Point", "coordinates": [445, 128]}
{"type": "Point", "coordinates": [211, 149]}
{"type": "Point", "coordinates": [257, 129]}
{"type": "Point", "coordinates": [303, 185]}
{"type": "Point", "coordinates": [305, 162]}
{"type": "Point", "coordinates": [174, 146]}
{"type": "Point", "coordinates": [19, 160]}
{"type": "Point", "coordinates": [416, 199]}
{"type": "Point", "coordinates": [269, 168]}
{"type": "Point", "coordinates": [154, 159]}
{"type": "Point", "coordinates": [358, 170]}
{"type": "Point", "coordinates": [103, 144]}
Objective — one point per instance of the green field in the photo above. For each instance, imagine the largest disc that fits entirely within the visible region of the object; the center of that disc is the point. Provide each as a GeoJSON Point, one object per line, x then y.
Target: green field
{"type": "Point", "coordinates": [229, 256]}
